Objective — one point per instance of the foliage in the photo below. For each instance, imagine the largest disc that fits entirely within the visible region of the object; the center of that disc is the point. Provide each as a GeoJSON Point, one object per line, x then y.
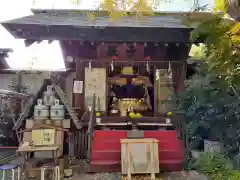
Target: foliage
{"type": "Point", "coordinates": [221, 5]}
{"type": "Point", "coordinates": [189, 163]}
{"type": "Point", "coordinates": [221, 40]}
{"type": "Point", "coordinates": [198, 51]}
{"type": "Point", "coordinates": [139, 8]}
{"type": "Point", "coordinates": [216, 166]}
{"type": "Point", "coordinates": [230, 7]}
{"type": "Point", "coordinates": [235, 175]}
{"type": "Point", "coordinates": [208, 103]}
{"type": "Point", "coordinates": [211, 99]}
{"type": "Point", "coordinates": [117, 8]}
{"type": "Point", "coordinates": [212, 112]}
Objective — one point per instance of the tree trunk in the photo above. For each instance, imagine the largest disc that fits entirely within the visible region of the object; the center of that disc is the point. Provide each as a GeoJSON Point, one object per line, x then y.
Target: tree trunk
{"type": "Point", "coordinates": [234, 9]}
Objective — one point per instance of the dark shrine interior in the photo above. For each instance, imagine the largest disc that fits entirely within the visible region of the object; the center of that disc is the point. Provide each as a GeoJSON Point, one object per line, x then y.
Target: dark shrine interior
{"type": "Point", "coordinates": [129, 90]}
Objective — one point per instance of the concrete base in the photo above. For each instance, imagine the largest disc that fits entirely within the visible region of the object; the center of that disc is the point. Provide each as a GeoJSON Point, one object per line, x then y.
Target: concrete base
{"type": "Point", "coordinates": [213, 146]}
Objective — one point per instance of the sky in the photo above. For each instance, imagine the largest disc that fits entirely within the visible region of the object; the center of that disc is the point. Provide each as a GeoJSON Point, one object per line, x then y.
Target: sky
{"type": "Point", "coordinates": [22, 57]}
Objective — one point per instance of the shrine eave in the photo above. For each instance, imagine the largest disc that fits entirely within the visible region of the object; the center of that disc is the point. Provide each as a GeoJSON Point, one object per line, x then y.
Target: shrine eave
{"type": "Point", "coordinates": [3, 54]}
{"type": "Point", "coordinates": [5, 50]}
{"type": "Point", "coordinates": [76, 26]}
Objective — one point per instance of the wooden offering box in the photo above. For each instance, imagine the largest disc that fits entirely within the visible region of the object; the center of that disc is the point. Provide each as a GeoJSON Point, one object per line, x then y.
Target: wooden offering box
{"type": "Point", "coordinates": [45, 136]}
{"type": "Point", "coordinates": [139, 156]}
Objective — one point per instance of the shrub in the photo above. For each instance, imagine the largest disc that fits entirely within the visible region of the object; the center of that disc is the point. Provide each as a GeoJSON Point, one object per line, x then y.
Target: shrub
{"type": "Point", "coordinates": [216, 166]}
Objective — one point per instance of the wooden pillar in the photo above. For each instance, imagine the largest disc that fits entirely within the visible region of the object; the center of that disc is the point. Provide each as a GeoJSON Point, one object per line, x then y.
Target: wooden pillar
{"type": "Point", "coordinates": [155, 105]}
{"type": "Point", "coordinates": [179, 123]}
{"type": "Point", "coordinates": [181, 77]}
{"type": "Point", "coordinates": [78, 98]}
{"type": "Point", "coordinates": [183, 51]}
{"type": "Point", "coordinates": [84, 51]}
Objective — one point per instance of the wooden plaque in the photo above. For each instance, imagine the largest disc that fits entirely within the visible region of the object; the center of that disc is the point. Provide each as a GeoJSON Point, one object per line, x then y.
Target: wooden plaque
{"type": "Point", "coordinates": [43, 137]}
{"type": "Point", "coordinates": [95, 82]}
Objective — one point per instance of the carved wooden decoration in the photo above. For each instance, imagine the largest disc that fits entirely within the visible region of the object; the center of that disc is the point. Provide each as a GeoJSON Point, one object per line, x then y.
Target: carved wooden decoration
{"type": "Point", "coordinates": [131, 50]}
{"type": "Point", "coordinates": [160, 52]}
{"type": "Point", "coordinates": [102, 51]}
{"type": "Point", "coordinates": [139, 55]}
{"type": "Point", "coordinates": [112, 50]}
{"type": "Point", "coordinates": [121, 51]}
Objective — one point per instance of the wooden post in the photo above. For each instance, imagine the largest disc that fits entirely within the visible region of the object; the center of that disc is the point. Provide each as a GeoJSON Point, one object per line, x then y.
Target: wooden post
{"type": "Point", "coordinates": [180, 125]}
{"type": "Point", "coordinates": [129, 162]}
{"type": "Point", "coordinates": [181, 77]}
{"type": "Point", "coordinates": [152, 161]}
{"type": "Point", "coordinates": [155, 106]}
{"type": "Point", "coordinates": [79, 98]}
{"type": "Point", "coordinates": [183, 51]}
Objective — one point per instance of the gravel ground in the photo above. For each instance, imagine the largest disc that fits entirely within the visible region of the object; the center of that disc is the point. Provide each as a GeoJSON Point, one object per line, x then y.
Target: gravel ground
{"type": "Point", "coordinates": [164, 176]}
{"type": "Point", "coordinates": [78, 174]}
{"type": "Point", "coordinates": [118, 176]}
{"type": "Point", "coordinates": [6, 152]}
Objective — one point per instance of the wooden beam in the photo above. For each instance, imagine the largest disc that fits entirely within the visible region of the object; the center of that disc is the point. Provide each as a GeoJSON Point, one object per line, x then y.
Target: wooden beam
{"type": "Point", "coordinates": [109, 34]}
{"type": "Point", "coordinates": [28, 42]}
{"type": "Point", "coordinates": [138, 124]}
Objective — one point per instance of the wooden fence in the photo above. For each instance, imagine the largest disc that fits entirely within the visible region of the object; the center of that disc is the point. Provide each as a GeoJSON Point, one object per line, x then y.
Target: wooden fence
{"type": "Point", "coordinates": [80, 140]}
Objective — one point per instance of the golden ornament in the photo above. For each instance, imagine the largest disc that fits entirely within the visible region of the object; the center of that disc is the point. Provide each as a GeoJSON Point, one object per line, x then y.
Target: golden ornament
{"type": "Point", "coordinates": [98, 114]}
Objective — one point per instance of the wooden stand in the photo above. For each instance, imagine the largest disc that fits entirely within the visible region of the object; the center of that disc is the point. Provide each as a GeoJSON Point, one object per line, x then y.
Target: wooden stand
{"type": "Point", "coordinates": [135, 157]}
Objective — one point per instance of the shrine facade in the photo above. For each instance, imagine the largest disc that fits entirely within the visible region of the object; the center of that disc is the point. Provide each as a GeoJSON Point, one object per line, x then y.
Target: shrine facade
{"type": "Point", "coordinates": [153, 49]}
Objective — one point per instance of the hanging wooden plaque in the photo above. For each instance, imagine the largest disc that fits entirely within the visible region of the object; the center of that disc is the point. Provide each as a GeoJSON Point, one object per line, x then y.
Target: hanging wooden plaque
{"type": "Point", "coordinates": [164, 89]}
{"type": "Point", "coordinates": [95, 82]}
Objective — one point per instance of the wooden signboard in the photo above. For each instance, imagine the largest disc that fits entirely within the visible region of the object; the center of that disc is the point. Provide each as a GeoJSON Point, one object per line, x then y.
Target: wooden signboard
{"type": "Point", "coordinates": [43, 137]}
{"type": "Point", "coordinates": [37, 137]}
{"type": "Point", "coordinates": [164, 90]}
{"type": "Point", "coordinates": [95, 82]}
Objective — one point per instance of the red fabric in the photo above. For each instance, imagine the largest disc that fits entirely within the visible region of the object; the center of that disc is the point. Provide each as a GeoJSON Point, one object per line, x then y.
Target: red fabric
{"type": "Point", "coordinates": [106, 149]}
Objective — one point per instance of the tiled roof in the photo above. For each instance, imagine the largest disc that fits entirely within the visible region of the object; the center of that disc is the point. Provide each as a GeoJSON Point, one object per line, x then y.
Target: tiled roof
{"type": "Point", "coordinates": [78, 19]}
